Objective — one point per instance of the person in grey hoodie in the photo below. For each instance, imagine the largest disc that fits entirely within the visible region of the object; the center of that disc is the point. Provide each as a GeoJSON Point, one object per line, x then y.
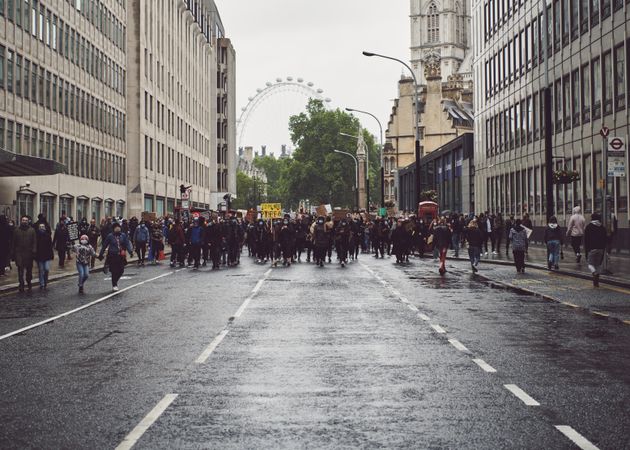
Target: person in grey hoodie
{"type": "Point", "coordinates": [575, 230]}
{"type": "Point", "coordinates": [518, 237]}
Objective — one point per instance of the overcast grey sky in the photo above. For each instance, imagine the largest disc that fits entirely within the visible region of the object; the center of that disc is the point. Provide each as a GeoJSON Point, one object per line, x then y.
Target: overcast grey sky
{"type": "Point", "coordinates": [320, 41]}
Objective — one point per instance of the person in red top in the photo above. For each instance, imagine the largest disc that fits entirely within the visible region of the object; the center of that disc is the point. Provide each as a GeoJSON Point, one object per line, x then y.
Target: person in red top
{"type": "Point", "coordinates": [177, 240]}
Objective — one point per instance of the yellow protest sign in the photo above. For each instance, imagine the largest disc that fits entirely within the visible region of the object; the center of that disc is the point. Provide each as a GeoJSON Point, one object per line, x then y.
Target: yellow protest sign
{"type": "Point", "coordinates": [271, 210]}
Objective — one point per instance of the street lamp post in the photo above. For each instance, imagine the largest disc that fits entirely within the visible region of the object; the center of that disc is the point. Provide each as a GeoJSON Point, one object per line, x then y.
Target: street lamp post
{"type": "Point", "coordinates": [418, 152]}
{"type": "Point", "coordinates": [356, 174]}
{"type": "Point", "coordinates": [381, 153]}
{"type": "Point", "coordinates": [367, 171]}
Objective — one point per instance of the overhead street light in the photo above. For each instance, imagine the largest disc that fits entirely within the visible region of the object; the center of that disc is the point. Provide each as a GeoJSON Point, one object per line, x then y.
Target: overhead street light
{"type": "Point", "coordinates": [415, 118]}
{"type": "Point", "coordinates": [356, 174]}
{"type": "Point", "coordinates": [381, 155]}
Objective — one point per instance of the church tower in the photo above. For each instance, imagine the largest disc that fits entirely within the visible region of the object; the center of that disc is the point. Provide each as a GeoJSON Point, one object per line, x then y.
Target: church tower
{"type": "Point", "coordinates": [440, 29]}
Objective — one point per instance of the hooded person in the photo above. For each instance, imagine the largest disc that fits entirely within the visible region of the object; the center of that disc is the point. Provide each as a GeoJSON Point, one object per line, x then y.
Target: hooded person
{"type": "Point", "coordinates": [595, 241]}
{"type": "Point", "coordinates": [85, 253]}
{"type": "Point", "coordinates": [343, 233]}
{"type": "Point", "coordinates": [575, 230]}
{"type": "Point", "coordinates": [475, 239]}
{"type": "Point", "coordinates": [24, 246]}
{"type": "Point", "coordinates": [44, 254]}
{"type": "Point", "coordinates": [553, 240]}
{"type": "Point", "coordinates": [319, 236]}
{"type": "Point", "coordinates": [518, 238]}
{"type": "Point", "coordinates": [117, 245]}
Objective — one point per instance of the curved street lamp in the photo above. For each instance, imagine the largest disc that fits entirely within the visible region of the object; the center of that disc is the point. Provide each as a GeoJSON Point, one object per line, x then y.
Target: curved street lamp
{"type": "Point", "coordinates": [415, 117]}
{"type": "Point", "coordinates": [356, 174]}
{"type": "Point", "coordinates": [381, 155]}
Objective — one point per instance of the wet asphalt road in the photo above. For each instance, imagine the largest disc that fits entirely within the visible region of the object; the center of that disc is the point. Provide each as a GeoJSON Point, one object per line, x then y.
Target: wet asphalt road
{"type": "Point", "coordinates": [373, 355]}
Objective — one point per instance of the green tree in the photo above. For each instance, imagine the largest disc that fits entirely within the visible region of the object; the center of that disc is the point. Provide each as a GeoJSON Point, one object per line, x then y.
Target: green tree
{"type": "Point", "coordinates": [275, 170]}
{"type": "Point", "coordinates": [318, 174]}
{"type": "Point", "coordinates": [249, 192]}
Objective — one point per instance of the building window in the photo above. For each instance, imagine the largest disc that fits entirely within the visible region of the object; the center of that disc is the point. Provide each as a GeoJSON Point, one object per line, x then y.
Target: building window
{"type": "Point", "coordinates": [82, 208]}
{"type": "Point", "coordinates": [47, 207]}
{"type": "Point", "coordinates": [575, 94]}
{"type": "Point", "coordinates": [120, 208]}
{"type": "Point", "coordinates": [607, 83]}
{"type": "Point", "coordinates": [586, 94]}
{"type": "Point", "coordinates": [148, 203]}
{"type": "Point", "coordinates": [25, 205]}
{"type": "Point", "coordinates": [109, 208]}
{"type": "Point", "coordinates": [566, 85]}
{"type": "Point", "coordinates": [596, 88]}
{"type": "Point", "coordinates": [433, 24]}
{"type": "Point", "coordinates": [65, 206]}
{"type": "Point", "coordinates": [96, 210]}
{"type": "Point", "coordinates": [620, 78]}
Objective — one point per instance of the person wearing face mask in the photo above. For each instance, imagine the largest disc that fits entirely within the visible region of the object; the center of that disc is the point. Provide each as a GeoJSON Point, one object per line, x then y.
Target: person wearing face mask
{"type": "Point", "coordinates": [343, 234]}
{"type": "Point", "coordinates": [93, 234]}
{"type": "Point", "coordinates": [24, 247]}
{"type": "Point", "coordinates": [553, 240]}
{"type": "Point", "coordinates": [117, 246]}
{"type": "Point", "coordinates": [320, 241]}
{"type": "Point", "coordinates": [85, 254]}
{"type": "Point", "coordinates": [286, 235]}
{"type": "Point", "coordinates": [44, 254]}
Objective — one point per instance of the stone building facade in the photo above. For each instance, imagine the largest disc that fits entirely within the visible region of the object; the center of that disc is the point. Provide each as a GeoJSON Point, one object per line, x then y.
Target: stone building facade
{"type": "Point", "coordinates": [62, 97]}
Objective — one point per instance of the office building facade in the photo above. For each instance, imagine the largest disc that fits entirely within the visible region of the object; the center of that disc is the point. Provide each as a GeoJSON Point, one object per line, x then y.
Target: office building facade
{"type": "Point", "coordinates": [62, 98]}
{"type": "Point", "coordinates": [586, 63]}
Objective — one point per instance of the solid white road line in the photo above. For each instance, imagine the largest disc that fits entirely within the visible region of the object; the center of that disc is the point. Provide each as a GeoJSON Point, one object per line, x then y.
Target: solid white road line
{"type": "Point", "coordinates": [521, 394]}
{"type": "Point", "coordinates": [576, 437]}
{"type": "Point", "coordinates": [412, 307]}
{"type": "Point", "coordinates": [424, 317]}
{"type": "Point", "coordinates": [211, 348]}
{"type": "Point", "coordinates": [267, 273]}
{"type": "Point", "coordinates": [243, 306]}
{"type": "Point", "coordinates": [438, 329]}
{"type": "Point", "coordinates": [258, 286]}
{"type": "Point", "coordinates": [458, 345]}
{"type": "Point", "coordinates": [133, 437]}
{"type": "Point", "coordinates": [81, 308]}
{"type": "Point", "coordinates": [484, 365]}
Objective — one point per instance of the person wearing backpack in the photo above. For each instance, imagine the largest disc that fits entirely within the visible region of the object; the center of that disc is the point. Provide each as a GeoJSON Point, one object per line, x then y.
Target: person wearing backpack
{"type": "Point", "coordinates": [140, 238]}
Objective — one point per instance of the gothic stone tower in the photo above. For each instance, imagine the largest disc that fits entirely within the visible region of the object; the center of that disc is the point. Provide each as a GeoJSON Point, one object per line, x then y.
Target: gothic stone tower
{"type": "Point", "coordinates": [439, 28]}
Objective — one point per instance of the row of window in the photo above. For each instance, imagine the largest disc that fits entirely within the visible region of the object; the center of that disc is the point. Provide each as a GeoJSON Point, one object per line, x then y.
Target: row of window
{"type": "Point", "coordinates": [433, 24]}
{"type": "Point", "coordinates": [523, 191]}
{"type": "Point", "coordinates": [63, 39]}
{"type": "Point", "coordinates": [524, 50]}
{"type": "Point", "coordinates": [80, 160]}
{"type": "Point", "coordinates": [47, 204]}
{"type": "Point", "coordinates": [168, 161]}
{"type": "Point", "coordinates": [102, 19]}
{"type": "Point", "coordinates": [203, 17]}
{"type": "Point", "coordinates": [165, 119]}
{"type": "Point", "coordinates": [568, 19]}
{"type": "Point", "coordinates": [585, 94]}
{"type": "Point", "coordinates": [27, 80]}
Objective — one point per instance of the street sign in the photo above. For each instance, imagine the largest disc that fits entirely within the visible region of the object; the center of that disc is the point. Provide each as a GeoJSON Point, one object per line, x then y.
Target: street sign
{"type": "Point", "coordinates": [185, 195]}
{"type": "Point", "coordinates": [185, 204]}
{"type": "Point", "coordinates": [617, 166]}
{"type": "Point", "coordinates": [616, 145]}
{"type": "Point", "coordinates": [605, 131]}
{"type": "Point", "coordinates": [271, 210]}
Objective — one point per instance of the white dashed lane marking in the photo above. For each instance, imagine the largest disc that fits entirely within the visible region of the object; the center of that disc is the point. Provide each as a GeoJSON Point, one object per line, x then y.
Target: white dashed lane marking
{"type": "Point", "coordinates": [521, 394]}
{"type": "Point", "coordinates": [133, 437]}
{"type": "Point", "coordinates": [458, 345]}
{"type": "Point", "coordinates": [484, 365]}
{"type": "Point", "coordinates": [211, 348]}
{"type": "Point", "coordinates": [438, 329]}
{"type": "Point", "coordinates": [576, 437]}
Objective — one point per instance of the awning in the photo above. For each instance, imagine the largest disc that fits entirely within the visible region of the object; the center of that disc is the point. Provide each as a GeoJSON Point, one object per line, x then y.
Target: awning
{"type": "Point", "coordinates": [12, 165]}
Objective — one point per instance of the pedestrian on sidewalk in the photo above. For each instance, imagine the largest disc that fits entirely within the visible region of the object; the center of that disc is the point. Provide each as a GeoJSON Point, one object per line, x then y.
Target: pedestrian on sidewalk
{"type": "Point", "coordinates": [44, 254]}
{"type": "Point", "coordinates": [474, 238]}
{"type": "Point", "coordinates": [457, 228]}
{"type": "Point", "coordinates": [117, 245]}
{"type": "Point", "coordinates": [85, 254]}
{"type": "Point", "coordinates": [518, 237]}
{"type": "Point", "coordinates": [575, 230]}
{"type": "Point", "coordinates": [527, 223]}
{"type": "Point", "coordinates": [509, 223]}
{"type": "Point", "coordinates": [5, 243]}
{"type": "Point", "coordinates": [553, 240]}
{"type": "Point", "coordinates": [24, 246]}
{"type": "Point", "coordinates": [442, 241]}
{"type": "Point", "coordinates": [140, 239]}
{"type": "Point", "coordinates": [61, 240]}
{"type": "Point", "coordinates": [93, 234]}
{"type": "Point", "coordinates": [595, 240]}
{"type": "Point", "coordinates": [499, 230]}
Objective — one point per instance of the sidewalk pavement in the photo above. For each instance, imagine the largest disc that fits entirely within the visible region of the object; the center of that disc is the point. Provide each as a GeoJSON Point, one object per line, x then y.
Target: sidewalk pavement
{"type": "Point", "coordinates": [9, 282]}
{"type": "Point", "coordinates": [536, 258]}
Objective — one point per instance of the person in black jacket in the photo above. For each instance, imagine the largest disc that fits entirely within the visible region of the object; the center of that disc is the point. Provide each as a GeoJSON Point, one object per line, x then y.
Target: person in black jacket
{"type": "Point", "coordinates": [61, 241]}
{"type": "Point", "coordinates": [442, 241]}
{"type": "Point", "coordinates": [595, 240]}
{"type": "Point", "coordinates": [5, 243]}
{"type": "Point", "coordinates": [475, 239]}
{"type": "Point", "coordinates": [44, 254]}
